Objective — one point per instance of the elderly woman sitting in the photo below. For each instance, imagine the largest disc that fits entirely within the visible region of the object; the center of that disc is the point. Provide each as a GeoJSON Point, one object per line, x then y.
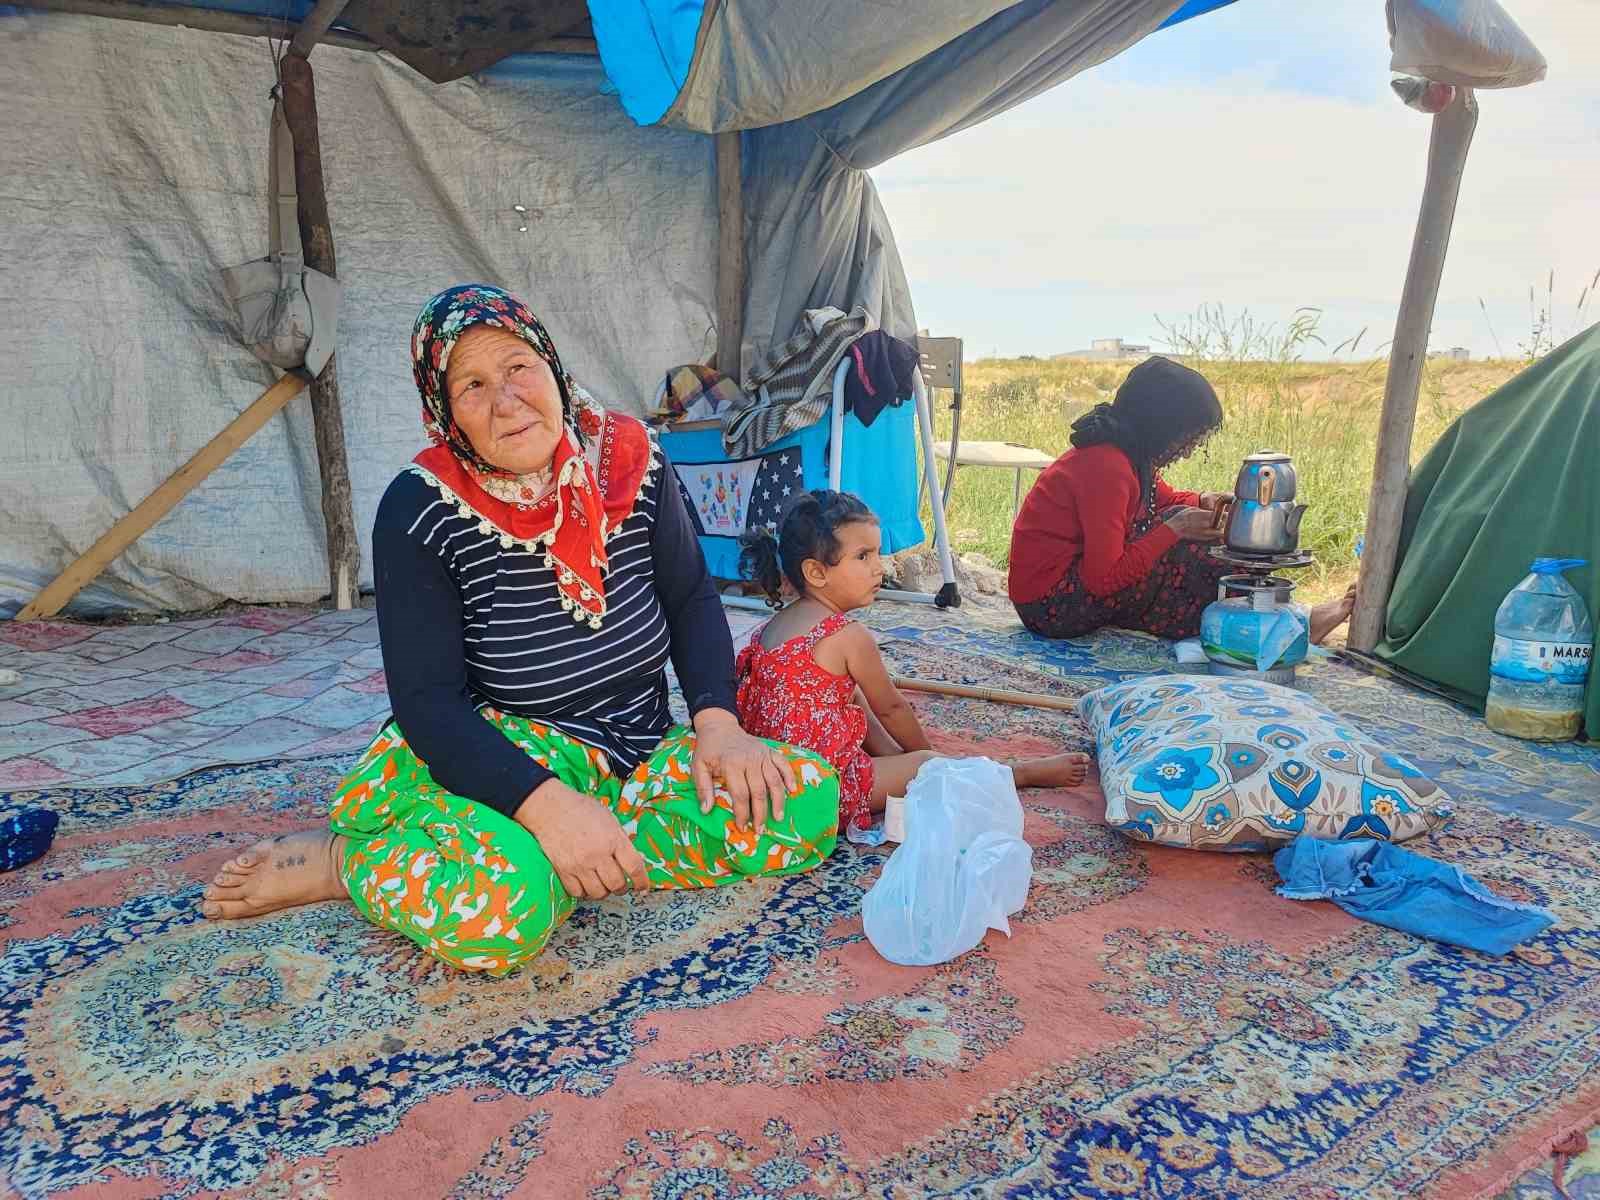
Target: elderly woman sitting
{"type": "Point", "coordinates": [535, 568]}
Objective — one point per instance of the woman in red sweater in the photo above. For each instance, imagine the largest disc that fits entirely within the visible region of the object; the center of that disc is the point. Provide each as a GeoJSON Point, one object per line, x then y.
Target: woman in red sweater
{"type": "Point", "coordinates": [1102, 540]}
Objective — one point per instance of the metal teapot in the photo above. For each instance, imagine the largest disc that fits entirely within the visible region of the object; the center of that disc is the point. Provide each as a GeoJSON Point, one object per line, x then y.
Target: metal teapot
{"type": "Point", "coordinates": [1266, 476]}
{"type": "Point", "coordinates": [1263, 518]}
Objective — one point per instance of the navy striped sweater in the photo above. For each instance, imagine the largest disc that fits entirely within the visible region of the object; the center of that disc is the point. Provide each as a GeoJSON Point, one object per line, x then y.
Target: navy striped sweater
{"type": "Point", "coordinates": [465, 621]}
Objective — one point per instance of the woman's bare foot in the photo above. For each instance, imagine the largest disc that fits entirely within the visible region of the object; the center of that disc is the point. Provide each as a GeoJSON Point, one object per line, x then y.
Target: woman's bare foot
{"type": "Point", "coordinates": [1061, 770]}
{"type": "Point", "coordinates": [1330, 614]}
{"type": "Point", "coordinates": [298, 868]}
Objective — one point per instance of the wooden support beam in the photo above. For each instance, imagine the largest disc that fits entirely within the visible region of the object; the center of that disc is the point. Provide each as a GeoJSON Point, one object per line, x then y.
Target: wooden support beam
{"type": "Point", "coordinates": [316, 234]}
{"type": "Point", "coordinates": [315, 25]}
{"type": "Point", "coordinates": [153, 12]}
{"type": "Point", "coordinates": [87, 566]}
{"type": "Point", "coordinates": [448, 41]}
{"type": "Point", "coordinates": [216, 20]}
{"type": "Point", "coordinates": [730, 255]}
{"type": "Point", "coordinates": [1448, 143]}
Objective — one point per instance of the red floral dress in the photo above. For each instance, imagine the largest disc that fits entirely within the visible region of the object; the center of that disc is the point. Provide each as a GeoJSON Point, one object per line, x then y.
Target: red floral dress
{"type": "Point", "coordinates": [787, 696]}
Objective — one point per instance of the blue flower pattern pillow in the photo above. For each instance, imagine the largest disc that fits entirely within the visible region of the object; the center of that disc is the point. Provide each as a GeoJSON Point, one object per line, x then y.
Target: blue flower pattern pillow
{"type": "Point", "coordinates": [1225, 764]}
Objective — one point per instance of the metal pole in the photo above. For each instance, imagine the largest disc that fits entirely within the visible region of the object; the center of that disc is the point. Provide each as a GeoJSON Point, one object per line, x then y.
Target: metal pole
{"type": "Point", "coordinates": [836, 425]}
{"type": "Point", "coordinates": [948, 596]}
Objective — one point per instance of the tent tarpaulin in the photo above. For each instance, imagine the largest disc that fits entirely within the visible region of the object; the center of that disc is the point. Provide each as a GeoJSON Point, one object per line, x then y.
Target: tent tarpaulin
{"type": "Point", "coordinates": [138, 169]}
{"type": "Point", "coordinates": [137, 166]}
{"type": "Point", "coordinates": [733, 64]}
{"type": "Point", "coordinates": [1512, 480]}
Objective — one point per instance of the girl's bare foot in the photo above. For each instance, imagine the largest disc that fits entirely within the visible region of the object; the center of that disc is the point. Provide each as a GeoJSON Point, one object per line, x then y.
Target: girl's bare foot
{"type": "Point", "coordinates": [1330, 614]}
{"type": "Point", "coordinates": [299, 868]}
{"type": "Point", "coordinates": [1061, 770]}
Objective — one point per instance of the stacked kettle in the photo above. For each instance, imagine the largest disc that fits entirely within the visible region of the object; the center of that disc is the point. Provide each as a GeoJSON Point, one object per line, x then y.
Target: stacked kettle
{"type": "Point", "coordinates": [1254, 628]}
{"type": "Point", "coordinates": [1263, 519]}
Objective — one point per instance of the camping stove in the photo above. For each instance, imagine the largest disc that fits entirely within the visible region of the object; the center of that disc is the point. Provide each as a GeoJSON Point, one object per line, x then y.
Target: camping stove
{"type": "Point", "coordinates": [1246, 612]}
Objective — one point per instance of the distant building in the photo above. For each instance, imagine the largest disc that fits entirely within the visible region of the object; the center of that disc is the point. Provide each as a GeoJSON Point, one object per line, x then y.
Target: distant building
{"type": "Point", "coordinates": [1454, 354]}
{"type": "Point", "coordinates": [1109, 348]}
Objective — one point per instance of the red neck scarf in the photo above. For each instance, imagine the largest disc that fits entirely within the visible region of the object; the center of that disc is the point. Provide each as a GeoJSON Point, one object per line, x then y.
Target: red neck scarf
{"type": "Point", "coordinates": [589, 496]}
{"type": "Point", "coordinates": [571, 523]}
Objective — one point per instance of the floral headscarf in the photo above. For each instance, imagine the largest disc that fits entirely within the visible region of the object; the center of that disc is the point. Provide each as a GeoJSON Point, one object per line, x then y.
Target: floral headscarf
{"type": "Point", "coordinates": [597, 471]}
{"type": "Point", "coordinates": [439, 327]}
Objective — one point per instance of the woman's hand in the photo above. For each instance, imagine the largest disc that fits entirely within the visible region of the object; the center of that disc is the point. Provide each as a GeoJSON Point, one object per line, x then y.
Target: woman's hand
{"type": "Point", "coordinates": [758, 778]}
{"type": "Point", "coordinates": [1210, 500]}
{"type": "Point", "coordinates": [591, 855]}
{"type": "Point", "coordinates": [1194, 525]}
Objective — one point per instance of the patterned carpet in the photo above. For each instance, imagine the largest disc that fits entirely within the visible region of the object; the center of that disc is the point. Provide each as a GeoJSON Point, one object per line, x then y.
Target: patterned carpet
{"type": "Point", "coordinates": [1158, 1025]}
{"type": "Point", "coordinates": [748, 1043]}
{"type": "Point", "coordinates": [135, 704]}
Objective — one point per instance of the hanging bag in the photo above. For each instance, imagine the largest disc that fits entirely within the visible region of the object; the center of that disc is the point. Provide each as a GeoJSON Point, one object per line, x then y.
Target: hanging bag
{"type": "Point", "coordinates": [1470, 43]}
{"type": "Point", "coordinates": [288, 313]}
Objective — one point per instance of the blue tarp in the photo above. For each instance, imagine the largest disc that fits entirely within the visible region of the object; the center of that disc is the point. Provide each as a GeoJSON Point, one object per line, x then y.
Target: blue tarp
{"type": "Point", "coordinates": [1194, 8]}
{"type": "Point", "coordinates": [648, 47]}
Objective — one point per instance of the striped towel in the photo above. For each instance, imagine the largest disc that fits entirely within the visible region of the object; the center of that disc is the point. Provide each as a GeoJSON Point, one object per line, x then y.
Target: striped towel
{"type": "Point", "coordinates": [788, 389]}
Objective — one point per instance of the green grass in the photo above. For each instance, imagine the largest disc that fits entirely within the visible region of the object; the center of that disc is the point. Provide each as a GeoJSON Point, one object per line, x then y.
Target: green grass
{"type": "Point", "coordinates": [1324, 414]}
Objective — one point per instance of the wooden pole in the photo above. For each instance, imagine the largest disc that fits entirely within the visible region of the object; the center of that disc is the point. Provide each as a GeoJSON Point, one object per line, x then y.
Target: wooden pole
{"type": "Point", "coordinates": [730, 255]}
{"type": "Point", "coordinates": [315, 27]}
{"type": "Point", "coordinates": [157, 12]}
{"type": "Point", "coordinates": [216, 20]}
{"type": "Point", "coordinates": [1447, 156]}
{"type": "Point", "coordinates": [993, 695]}
{"type": "Point", "coordinates": [160, 502]}
{"type": "Point", "coordinates": [316, 233]}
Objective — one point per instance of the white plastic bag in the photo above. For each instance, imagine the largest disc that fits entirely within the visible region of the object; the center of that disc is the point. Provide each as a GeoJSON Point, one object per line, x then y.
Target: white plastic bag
{"type": "Point", "coordinates": [1471, 43]}
{"type": "Point", "coordinates": [962, 870]}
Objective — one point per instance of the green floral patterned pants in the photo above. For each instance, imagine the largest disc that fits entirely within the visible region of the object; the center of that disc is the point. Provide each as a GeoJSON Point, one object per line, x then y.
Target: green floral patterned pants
{"type": "Point", "coordinates": [472, 887]}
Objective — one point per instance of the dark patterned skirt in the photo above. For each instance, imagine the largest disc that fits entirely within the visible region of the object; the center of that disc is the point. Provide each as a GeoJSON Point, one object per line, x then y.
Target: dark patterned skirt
{"type": "Point", "coordinates": [1167, 602]}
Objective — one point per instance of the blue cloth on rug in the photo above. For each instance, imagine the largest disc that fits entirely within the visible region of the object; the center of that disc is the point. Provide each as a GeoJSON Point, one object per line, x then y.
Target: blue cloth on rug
{"type": "Point", "coordinates": [25, 834]}
{"type": "Point", "coordinates": [1387, 885]}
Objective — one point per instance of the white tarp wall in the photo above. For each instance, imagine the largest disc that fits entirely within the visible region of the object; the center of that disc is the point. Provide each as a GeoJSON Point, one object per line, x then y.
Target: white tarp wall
{"type": "Point", "coordinates": [136, 161]}
{"type": "Point", "coordinates": [135, 167]}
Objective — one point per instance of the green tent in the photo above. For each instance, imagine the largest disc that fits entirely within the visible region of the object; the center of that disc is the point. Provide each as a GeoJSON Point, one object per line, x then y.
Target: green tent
{"type": "Point", "coordinates": [1517, 477]}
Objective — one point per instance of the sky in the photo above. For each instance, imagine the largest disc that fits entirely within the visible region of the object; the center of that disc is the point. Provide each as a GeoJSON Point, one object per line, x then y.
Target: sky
{"type": "Point", "coordinates": [1254, 157]}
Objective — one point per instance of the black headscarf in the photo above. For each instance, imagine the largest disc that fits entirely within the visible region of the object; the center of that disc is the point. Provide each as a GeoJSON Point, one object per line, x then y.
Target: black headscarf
{"type": "Point", "coordinates": [1160, 405]}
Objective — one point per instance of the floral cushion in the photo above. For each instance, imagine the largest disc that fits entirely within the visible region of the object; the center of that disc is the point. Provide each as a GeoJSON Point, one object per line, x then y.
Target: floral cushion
{"type": "Point", "coordinates": [1223, 764]}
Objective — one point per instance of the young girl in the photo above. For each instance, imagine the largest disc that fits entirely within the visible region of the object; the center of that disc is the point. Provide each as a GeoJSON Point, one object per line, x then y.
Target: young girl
{"type": "Point", "coordinates": [813, 677]}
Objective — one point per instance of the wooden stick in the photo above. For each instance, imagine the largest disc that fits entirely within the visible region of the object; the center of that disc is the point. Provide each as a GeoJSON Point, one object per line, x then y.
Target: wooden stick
{"type": "Point", "coordinates": [160, 502]}
{"type": "Point", "coordinates": [327, 418]}
{"type": "Point", "coordinates": [1391, 472]}
{"type": "Point", "coordinates": [993, 695]}
{"type": "Point", "coordinates": [730, 256]}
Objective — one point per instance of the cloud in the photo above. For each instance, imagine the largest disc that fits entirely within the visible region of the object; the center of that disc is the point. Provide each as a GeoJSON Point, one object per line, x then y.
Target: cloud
{"type": "Point", "coordinates": [1145, 190]}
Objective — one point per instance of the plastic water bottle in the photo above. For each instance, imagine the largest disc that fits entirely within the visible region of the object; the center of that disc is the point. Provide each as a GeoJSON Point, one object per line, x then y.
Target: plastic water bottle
{"type": "Point", "coordinates": [1543, 644]}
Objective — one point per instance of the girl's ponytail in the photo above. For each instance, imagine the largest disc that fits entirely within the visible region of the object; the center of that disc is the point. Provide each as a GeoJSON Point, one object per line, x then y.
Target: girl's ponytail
{"type": "Point", "coordinates": [758, 562]}
{"type": "Point", "coordinates": [808, 528]}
